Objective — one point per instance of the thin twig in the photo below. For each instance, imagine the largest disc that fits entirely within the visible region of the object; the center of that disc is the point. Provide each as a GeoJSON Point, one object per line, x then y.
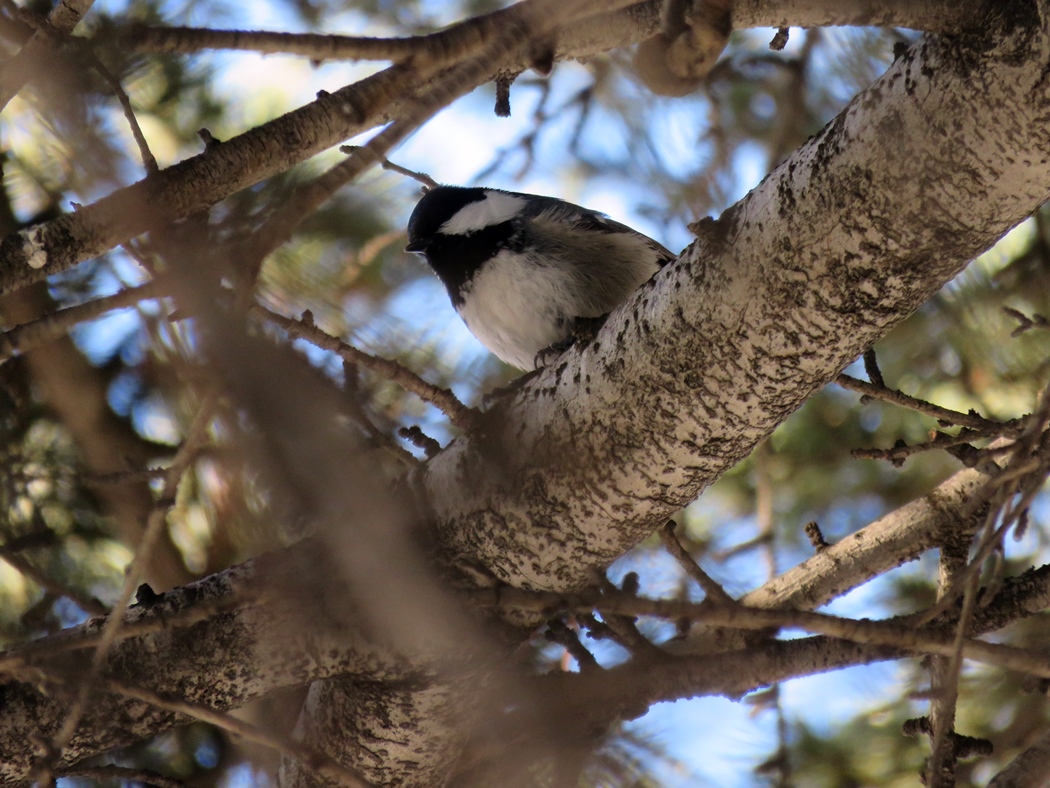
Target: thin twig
{"type": "Point", "coordinates": [759, 540]}
{"type": "Point", "coordinates": [86, 603]}
{"type": "Point", "coordinates": [386, 164]}
{"type": "Point", "coordinates": [904, 635]}
{"type": "Point", "coordinates": [871, 367]}
{"type": "Point", "coordinates": [315, 760]}
{"type": "Point", "coordinates": [148, 159]}
{"type": "Point", "coordinates": [559, 632]}
{"type": "Point", "coordinates": [944, 672]}
{"type": "Point", "coordinates": [1010, 428]}
{"type": "Point", "coordinates": [55, 324]}
{"type": "Point", "coordinates": [999, 490]}
{"type": "Point", "coordinates": [624, 629]}
{"type": "Point", "coordinates": [629, 638]}
{"type": "Point", "coordinates": [712, 589]}
{"type": "Point", "coordinates": [1026, 323]}
{"type": "Point", "coordinates": [443, 399]}
{"type": "Point", "coordinates": [899, 453]}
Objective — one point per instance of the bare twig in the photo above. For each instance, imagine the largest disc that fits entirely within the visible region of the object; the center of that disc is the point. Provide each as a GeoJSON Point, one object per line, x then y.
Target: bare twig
{"type": "Point", "coordinates": [871, 367]}
{"type": "Point", "coordinates": [998, 492]}
{"type": "Point", "coordinates": [443, 399]}
{"type": "Point", "coordinates": [712, 589]}
{"type": "Point", "coordinates": [148, 159]}
{"type": "Point", "coordinates": [86, 603]}
{"type": "Point", "coordinates": [900, 452]}
{"type": "Point", "coordinates": [903, 635]}
{"type": "Point", "coordinates": [759, 540]}
{"type": "Point", "coordinates": [944, 673]}
{"type": "Point", "coordinates": [559, 632]}
{"type": "Point", "coordinates": [51, 326]}
{"type": "Point", "coordinates": [319, 762]}
{"type": "Point", "coordinates": [386, 164]}
{"type": "Point", "coordinates": [1026, 323]}
{"type": "Point", "coordinates": [971, 420]}
{"type": "Point", "coordinates": [125, 775]}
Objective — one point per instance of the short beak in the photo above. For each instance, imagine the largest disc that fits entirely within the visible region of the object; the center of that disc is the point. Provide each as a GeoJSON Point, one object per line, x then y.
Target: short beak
{"type": "Point", "coordinates": [416, 247]}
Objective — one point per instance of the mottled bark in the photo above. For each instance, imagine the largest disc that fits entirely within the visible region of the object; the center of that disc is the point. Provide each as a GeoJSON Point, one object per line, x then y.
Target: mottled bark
{"type": "Point", "coordinates": [922, 172]}
{"type": "Point", "coordinates": [239, 652]}
{"type": "Point", "coordinates": [221, 170]}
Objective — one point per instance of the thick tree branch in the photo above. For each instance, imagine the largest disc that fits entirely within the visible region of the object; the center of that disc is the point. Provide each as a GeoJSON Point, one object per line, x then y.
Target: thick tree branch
{"type": "Point", "coordinates": [772, 301]}
{"type": "Point", "coordinates": [222, 170]}
{"type": "Point", "coordinates": [200, 630]}
{"type": "Point", "coordinates": [220, 663]}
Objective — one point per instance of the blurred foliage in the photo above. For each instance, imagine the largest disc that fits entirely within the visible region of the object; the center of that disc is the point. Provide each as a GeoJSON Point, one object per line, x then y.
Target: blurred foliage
{"type": "Point", "coordinates": [66, 141]}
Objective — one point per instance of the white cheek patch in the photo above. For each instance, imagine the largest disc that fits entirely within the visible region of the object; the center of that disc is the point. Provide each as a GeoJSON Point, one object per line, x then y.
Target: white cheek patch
{"type": "Point", "coordinates": [494, 209]}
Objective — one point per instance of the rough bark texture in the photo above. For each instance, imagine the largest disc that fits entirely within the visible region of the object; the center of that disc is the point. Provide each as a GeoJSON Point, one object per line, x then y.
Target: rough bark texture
{"type": "Point", "coordinates": [222, 662]}
{"type": "Point", "coordinates": [839, 244]}
{"type": "Point", "coordinates": [221, 170]}
{"type": "Point", "coordinates": [919, 174]}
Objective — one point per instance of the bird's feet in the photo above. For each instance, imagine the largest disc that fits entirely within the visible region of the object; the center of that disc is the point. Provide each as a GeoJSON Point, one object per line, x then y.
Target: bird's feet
{"type": "Point", "coordinates": [584, 330]}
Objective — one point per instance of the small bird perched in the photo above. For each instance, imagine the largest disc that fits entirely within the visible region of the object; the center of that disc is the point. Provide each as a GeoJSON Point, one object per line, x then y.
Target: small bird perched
{"type": "Point", "coordinates": [523, 270]}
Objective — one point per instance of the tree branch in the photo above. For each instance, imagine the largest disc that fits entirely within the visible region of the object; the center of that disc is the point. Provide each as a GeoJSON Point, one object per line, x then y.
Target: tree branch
{"type": "Point", "coordinates": [274, 147]}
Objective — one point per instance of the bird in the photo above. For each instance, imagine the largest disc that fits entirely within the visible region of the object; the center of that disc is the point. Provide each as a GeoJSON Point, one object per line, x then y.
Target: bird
{"type": "Point", "coordinates": [526, 272]}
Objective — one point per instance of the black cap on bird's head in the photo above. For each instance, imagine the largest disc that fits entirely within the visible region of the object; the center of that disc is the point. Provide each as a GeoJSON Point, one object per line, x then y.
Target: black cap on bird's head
{"type": "Point", "coordinates": [434, 210]}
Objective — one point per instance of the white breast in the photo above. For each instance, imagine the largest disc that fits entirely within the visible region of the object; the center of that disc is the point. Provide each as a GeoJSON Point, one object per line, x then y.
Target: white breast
{"type": "Point", "coordinates": [517, 308]}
